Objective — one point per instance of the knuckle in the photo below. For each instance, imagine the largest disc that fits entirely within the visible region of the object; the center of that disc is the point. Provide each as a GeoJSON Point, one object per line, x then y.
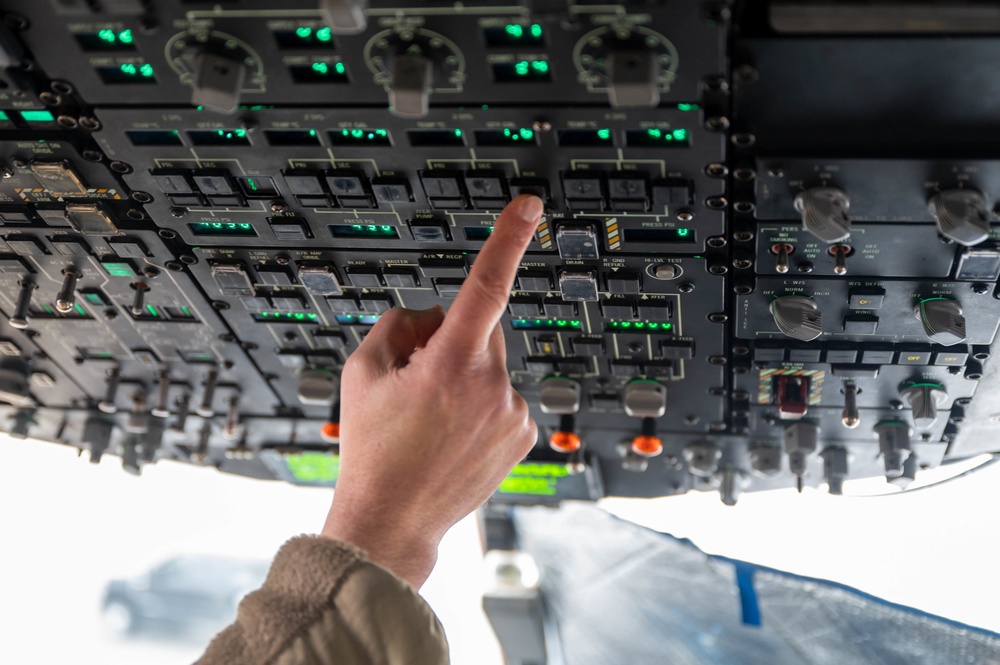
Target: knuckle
{"type": "Point", "coordinates": [491, 288]}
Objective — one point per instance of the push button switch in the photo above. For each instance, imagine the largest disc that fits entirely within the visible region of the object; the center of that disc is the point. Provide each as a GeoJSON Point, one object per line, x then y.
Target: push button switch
{"type": "Point", "coordinates": [866, 298]}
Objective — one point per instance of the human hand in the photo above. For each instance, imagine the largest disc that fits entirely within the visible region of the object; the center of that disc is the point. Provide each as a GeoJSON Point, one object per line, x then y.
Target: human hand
{"type": "Point", "coordinates": [430, 424]}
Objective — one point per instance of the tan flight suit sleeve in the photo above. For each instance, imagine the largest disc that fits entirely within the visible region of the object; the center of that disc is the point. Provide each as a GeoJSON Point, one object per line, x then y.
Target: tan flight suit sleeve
{"type": "Point", "coordinates": [324, 603]}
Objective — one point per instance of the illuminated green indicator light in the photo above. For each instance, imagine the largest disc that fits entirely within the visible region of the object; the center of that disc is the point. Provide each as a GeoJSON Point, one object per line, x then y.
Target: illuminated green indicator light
{"type": "Point", "coordinates": [146, 70]}
{"type": "Point", "coordinates": [37, 116]}
{"type": "Point", "coordinates": [514, 33]}
{"type": "Point", "coordinates": [534, 478]}
{"type": "Point", "coordinates": [186, 312]}
{"type": "Point", "coordinates": [321, 67]}
{"type": "Point", "coordinates": [125, 37]}
{"type": "Point", "coordinates": [683, 233]}
{"type": "Point", "coordinates": [80, 310]}
{"type": "Point", "coordinates": [119, 269]}
{"type": "Point", "coordinates": [48, 310]}
{"type": "Point", "coordinates": [645, 326]}
{"type": "Point", "coordinates": [130, 69]}
{"type": "Point", "coordinates": [536, 70]}
{"type": "Point", "coordinates": [303, 32]}
{"type": "Point", "coordinates": [313, 468]}
{"type": "Point", "coordinates": [152, 311]}
{"type": "Point", "coordinates": [458, 132]}
{"type": "Point", "coordinates": [544, 324]}
{"type": "Point", "coordinates": [340, 68]}
{"type": "Point", "coordinates": [312, 132]}
{"type": "Point", "coordinates": [604, 134]}
{"type": "Point", "coordinates": [688, 107]}
{"type": "Point", "coordinates": [93, 298]}
{"type": "Point", "coordinates": [286, 317]}
{"type": "Point", "coordinates": [107, 35]}
{"type": "Point", "coordinates": [253, 185]}
{"type": "Point", "coordinates": [3, 116]}
{"type": "Point", "coordinates": [324, 34]}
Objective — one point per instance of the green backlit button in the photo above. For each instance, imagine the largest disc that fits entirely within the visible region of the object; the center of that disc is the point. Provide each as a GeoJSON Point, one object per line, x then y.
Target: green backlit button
{"type": "Point", "coordinates": [95, 298]}
{"type": "Point", "coordinates": [119, 268]}
{"type": "Point", "coordinates": [37, 116]}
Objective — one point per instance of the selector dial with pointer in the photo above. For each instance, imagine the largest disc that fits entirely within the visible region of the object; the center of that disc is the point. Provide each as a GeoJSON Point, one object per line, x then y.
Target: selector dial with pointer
{"type": "Point", "coordinates": [412, 63]}
{"type": "Point", "coordinates": [942, 320]}
{"type": "Point", "coordinates": [961, 215]}
{"type": "Point", "coordinates": [797, 317]}
{"type": "Point", "coordinates": [824, 213]}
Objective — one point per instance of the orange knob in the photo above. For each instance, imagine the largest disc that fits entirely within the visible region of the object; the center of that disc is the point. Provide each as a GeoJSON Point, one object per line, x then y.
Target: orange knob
{"type": "Point", "coordinates": [330, 432]}
{"type": "Point", "coordinates": [647, 446]}
{"type": "Point", "coordinates": [565, 442]}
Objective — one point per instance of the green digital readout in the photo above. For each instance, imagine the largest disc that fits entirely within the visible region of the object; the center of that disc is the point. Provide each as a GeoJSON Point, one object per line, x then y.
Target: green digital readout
{"type": "Point", "coordinates": [286, 317]}
{"type": "Point", "coordinates": [658, 138]}
{"type": "Point", "coordinates": [107, 40]}
{"type": "Point", "coordinates": [313, 468]}
{"type": "Point", "coordinates": [320, 72]}
{"type": "Point", "coordinates": [545, 324]}
{"type": "Point", "coordinates": [361, 137]}
{"type": "Point", "coordinates": [219, 137]}
{"type": "Point", "coordinates": [507, 137]}
{"type": "Point", "coordinates": [534, 478]}
{"type": "Point", "coordinates": [688, 107]}
{"type": "Point", "coordinates": [363, 231]}
{"type": "Point", "coordinates": [515, 34]}
{"type": "Point", "coordinates": [222, 229]}
{"type": "Point", "coordinates": [129, 72]}
{"type": "Point", "coordinates": [522, 70]}
{"type": "Point", "coordinates": [305, 36]}
{"type": "Point", "coordinates": [639, 326]}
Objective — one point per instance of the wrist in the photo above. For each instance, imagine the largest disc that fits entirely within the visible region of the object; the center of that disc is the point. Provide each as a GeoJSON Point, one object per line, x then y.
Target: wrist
{"type": "Point", "coordinates": [391, 542]}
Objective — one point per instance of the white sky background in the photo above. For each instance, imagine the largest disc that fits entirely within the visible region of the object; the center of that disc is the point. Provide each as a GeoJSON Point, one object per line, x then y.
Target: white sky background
{"type": "Point", "coordinates": [69, 526]}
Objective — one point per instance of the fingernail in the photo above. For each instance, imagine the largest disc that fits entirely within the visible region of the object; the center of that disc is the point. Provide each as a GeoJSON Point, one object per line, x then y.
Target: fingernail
{"type": "Point", "coordinates": [530, 209]}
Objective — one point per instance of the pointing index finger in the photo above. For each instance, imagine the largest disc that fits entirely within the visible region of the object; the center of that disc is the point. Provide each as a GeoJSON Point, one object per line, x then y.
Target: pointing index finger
{"type": "Point", "coordinates": [483, 297]}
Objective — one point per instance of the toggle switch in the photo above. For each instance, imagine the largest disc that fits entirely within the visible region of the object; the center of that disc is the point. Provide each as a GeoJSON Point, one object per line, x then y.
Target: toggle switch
{"type": "Point", "coordinates": [801, 441]}
{"type": "Point", "coordinates": [894, 445]}
{"type": "Point", "coordinates": [107, 405]}
{"type": "Point", "coordinates": [835, 468]}
{"type": "Point", "coordinates": [19, 319]}
{"type": "Point", "coordinates": [851, 417]}
{"type": "Point", "coordinates": [162, 408]}
{"type": "Point", "coordinates": [66, 299]}
{"type": "Point", "coordinates": [205, 409]}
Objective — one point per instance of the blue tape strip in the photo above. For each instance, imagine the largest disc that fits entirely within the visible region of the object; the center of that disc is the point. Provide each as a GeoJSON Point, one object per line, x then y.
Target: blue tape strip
{"type": "Point", "coordinates": [748, 595]}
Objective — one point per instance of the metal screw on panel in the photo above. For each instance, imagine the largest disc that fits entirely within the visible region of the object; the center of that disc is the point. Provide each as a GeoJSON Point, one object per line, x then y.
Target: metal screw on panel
{"type": "Point", "coordinates": [685, 216]}
{"type": "Point", "coordinates": [541, 126]}
{"type": "Point", "coordinates": [178, 212]}
{"type": "Point", "coordinates": [686, 287]}
{"type": "Point", "coordinates": [278, 206]}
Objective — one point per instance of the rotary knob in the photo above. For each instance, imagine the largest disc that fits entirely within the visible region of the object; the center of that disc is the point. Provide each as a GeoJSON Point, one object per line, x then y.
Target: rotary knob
{"type": "Point", "coordinates": [961, 215]}
{"type": "Point", "coordinates": [942, 320]}
{"type": "Point", "coordinates": [797, 317]}
{"type": "Point", "coordinates": [894, 445]}
{"type": "Point", "coordinates": [824, 213]}
{"type": "Point", "coordinates": [924, 399]}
